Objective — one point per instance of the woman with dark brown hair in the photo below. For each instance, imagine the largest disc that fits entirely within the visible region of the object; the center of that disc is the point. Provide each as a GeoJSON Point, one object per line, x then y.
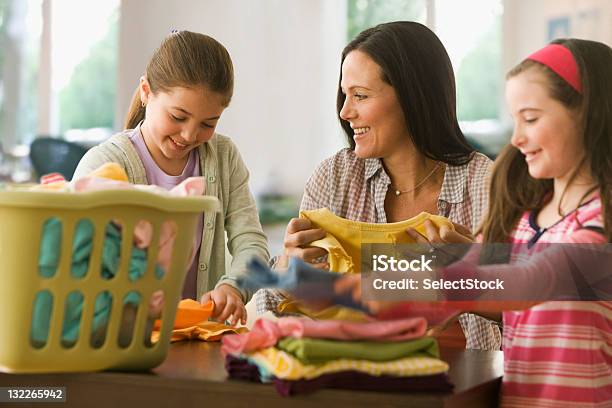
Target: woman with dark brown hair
{"type": "Point", "coordinates": [406, 155]}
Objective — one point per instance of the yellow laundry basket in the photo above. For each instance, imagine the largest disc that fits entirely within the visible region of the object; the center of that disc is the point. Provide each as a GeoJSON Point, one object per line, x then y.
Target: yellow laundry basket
{"type": "Point", "coordinates": [23, 215]}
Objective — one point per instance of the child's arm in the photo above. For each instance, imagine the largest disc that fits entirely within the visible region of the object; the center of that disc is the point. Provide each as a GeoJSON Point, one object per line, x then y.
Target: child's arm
{"type": "Point", "coordinates": [299, 234]}
{"type": "Point", "coordinates": [93, 159]}
{"type": "Point", "coordinates": [118, 149]}
{"type": "Point", "coordinates": [560, 271]}
{"type": "Point", "coordinates": [546, 275]}
{"type": "Point", "coordinates": [547, 270]}
{"type": "Point", "coordinates": [245, 237]}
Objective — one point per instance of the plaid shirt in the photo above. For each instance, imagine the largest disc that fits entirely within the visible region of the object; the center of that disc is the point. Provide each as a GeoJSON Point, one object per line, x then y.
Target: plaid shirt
{"type": "Point", "coordinates": [355, 189]}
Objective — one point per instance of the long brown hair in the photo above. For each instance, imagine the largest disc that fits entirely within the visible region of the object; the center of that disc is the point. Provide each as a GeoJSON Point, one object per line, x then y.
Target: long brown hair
{"type": "Point", "coordinates": [512, 190]}
{"type": "Point", "coordinates": [185, 59]}
{"type": "Point", "coordinates": [415, 63]}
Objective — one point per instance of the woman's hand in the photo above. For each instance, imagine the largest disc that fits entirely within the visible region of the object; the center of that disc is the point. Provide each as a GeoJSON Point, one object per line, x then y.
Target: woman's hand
{"type": "Point", "coordinates": [228, 302]}
{"type": "Point", "coordinates": [298, 236]}
{"type": "Point", "coordinates": [443, 235]}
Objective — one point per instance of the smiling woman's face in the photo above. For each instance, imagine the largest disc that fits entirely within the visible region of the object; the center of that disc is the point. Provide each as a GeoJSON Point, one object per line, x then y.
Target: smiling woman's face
{"type": "Point", "coordinates": [372, 108]}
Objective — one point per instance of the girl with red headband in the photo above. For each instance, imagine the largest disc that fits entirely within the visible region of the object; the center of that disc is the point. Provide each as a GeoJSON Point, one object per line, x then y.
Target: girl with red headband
{"type": "Point", "coordinates": [553, 184]}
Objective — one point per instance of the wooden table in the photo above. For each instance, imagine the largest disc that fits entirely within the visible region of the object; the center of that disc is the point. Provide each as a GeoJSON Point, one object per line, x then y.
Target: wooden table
{"type": "Point", "coordinates": [193, 375]}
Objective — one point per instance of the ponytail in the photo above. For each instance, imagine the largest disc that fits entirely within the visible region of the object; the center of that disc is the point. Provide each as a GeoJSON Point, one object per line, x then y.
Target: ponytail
{"type": "Point", "coordinates": [136, 113]}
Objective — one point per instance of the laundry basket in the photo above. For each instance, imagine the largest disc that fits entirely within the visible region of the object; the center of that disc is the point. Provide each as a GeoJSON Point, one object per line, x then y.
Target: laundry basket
{"type": "Point", "coordinates": [23, 218]}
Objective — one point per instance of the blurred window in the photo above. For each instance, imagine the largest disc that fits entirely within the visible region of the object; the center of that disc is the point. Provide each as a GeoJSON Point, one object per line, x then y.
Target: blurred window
{"type": "Point", "coordinates": [20, 36]}
{"type": "Point", "coordinates": [363, 14]}
{"type": "Point", "coordinates": [57, 71]}
{"type": "Point", "coordinates": [84, 64]}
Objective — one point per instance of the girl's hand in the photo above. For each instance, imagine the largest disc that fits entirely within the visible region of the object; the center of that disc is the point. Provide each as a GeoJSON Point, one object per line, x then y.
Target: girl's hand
{"type": "Point", "coordinates": [298, 236]}
{"type": "Point", "coordinates": [444, 235]}
{"type": "Point", "coordinates": [228, 302]}
{"type": "Point", "coordinates": [351, 284]}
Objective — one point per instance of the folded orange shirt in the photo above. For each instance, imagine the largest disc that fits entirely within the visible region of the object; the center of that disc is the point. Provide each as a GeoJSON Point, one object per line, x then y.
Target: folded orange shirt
{"type": "Point", "coordinates": [191, 322]}
{"type": "Point", "coordinates": [190, 313]}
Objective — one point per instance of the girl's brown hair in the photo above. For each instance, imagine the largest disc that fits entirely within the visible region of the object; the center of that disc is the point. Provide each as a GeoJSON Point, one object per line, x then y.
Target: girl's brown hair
{"type": "Point", "coordinates": [185, 59]}
{"type": "Point", "coordinates": [512, 190]}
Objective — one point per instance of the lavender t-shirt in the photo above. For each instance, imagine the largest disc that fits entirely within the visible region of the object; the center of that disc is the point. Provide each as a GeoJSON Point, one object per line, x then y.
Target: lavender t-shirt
{"type": "Point", "coordinates": [158, 177]}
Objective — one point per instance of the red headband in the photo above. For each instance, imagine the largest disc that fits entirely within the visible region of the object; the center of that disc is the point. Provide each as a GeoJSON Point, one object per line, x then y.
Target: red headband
{"type": "Point", "coordinates": [561, 61]}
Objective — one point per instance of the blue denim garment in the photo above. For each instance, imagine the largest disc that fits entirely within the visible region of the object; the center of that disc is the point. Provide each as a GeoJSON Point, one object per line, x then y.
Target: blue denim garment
{"type": "Point", "coordinates": [301, 280]}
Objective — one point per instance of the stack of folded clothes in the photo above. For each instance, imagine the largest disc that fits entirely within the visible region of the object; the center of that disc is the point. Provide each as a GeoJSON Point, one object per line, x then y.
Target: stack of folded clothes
{"type": "Point", "coordinates": [300, 355]}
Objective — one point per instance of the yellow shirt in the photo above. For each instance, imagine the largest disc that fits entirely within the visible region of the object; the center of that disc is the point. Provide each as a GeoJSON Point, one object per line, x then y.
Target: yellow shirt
{"type": "Point", "coordinates": [344, 237]}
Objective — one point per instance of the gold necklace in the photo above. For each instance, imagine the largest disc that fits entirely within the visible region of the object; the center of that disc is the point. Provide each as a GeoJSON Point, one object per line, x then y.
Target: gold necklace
{"type": "Point", "coordinates": [419, 184]}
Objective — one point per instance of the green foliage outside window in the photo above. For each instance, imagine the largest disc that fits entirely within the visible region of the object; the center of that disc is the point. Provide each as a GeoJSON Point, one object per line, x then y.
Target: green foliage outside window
{"type": "Point", "coordinates": [24, 69]}
{"type": "Point", "coordinates": [89, 98]}
{"type": "Point", "coordinates": [3, 39]}
{"type": "Point", "coordinates": [479, 78]}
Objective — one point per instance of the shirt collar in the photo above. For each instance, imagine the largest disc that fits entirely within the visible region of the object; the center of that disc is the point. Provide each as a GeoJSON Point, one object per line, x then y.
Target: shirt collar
{"type": "Point", "coordinates": [372, 166]}
{"type": "Point", "coordinates": [136, 130]}
{"type": "Point", "coordinates": [454, 184]}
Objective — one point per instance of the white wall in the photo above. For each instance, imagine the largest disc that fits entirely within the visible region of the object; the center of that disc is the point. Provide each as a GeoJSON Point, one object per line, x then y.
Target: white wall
{"type": "Point", "coordinates": [526, 24]}
{"type": "Point", "coordinates": [525, 27]}
{"type": "Point", "coordinates": [286, 58]}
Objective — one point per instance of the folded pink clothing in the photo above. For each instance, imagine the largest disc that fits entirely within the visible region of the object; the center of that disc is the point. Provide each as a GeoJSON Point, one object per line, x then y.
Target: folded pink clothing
{"type": "Point", "coordinates": [266, 333]}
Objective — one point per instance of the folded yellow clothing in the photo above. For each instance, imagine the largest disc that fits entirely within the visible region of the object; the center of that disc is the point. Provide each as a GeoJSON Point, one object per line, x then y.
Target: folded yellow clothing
{"type": "Point", "coordinates": [112, 171]}
{"type": "Point", "coordinates": [56, 182]}
{"type": "Point", "coordinates": [284, 366]}
{"type": "Point", "coordinates": [205, 331]}
{"type": "Point", "coordinates": [330, 313]}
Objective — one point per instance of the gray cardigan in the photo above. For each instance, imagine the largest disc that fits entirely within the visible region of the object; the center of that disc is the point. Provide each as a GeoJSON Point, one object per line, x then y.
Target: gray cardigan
{"type": "Point", "coordinates": [227, 179]}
